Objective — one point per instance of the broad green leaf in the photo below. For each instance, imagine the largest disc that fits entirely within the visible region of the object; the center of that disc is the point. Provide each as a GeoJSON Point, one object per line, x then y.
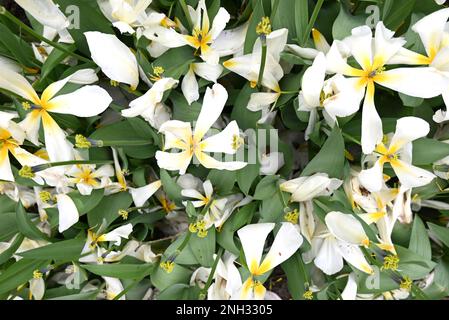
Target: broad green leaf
{"type": "Point", "coordinates": [330, 159]}
{"type": "Point", "coordinates": [108, 208]}
{"type": "Point", "coordinates": [19, 273]}
{"type": "Point", "coordinates": [67, 250]}
{"type": "Point", "coordinates": [442, 233]}
{"type": "Point", "coordinates": [266, 188]}
{"type": "Point", "coordinates": [419, 240]}
{"type": "Point", "coordinates": [120, 270]}
{"type": "Point", "coordinates": [169, 185]}
{"type": "Point", "coordinates": [26, 226]}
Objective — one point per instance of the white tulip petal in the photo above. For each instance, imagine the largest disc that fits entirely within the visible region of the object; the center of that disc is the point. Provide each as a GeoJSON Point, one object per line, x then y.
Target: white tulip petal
{"type": "Point", "coordinates": [252, 238]}
{"type": "Point", "coordinates": [114, 58]}
{"type": "Point", "coordinates": [142, 194]}
{"type": "Point", "coordinates": [346, 227]}
{"type": "Point", "coordinates": [189, 87]}
{"type": "Point", "coordinates": [46, 12]}
{"type": "Point", "coordinates": [68, 213]}
{"type": "Point", "coordinates": [213, 104]}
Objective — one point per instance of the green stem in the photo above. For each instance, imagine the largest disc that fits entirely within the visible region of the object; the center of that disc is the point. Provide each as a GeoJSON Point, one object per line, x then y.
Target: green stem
{"type": "Point", "coordinates": [274, 9]}
{"type": "Point", "coordinates": [351, 138]}
{"type": "Point", "coordinates": [186, 13]}
{"type": "Point", "coordinates": [45, 166]}
{"type": "Point", "coordinates": [312, 20]}
{"type": "Point", "coordinates": [203, 291]}
{"type": "Point", "coordinates": [23, 26]}
{"type": "Point", "coordinates": [263, 60]}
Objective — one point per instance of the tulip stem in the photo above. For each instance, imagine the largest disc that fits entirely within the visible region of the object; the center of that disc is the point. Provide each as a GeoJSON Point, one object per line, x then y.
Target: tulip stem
{"type": "Point", "coordinates": [44, 166]}
{"type": "Point", "coordinates": [312, 20]}
{"type": "Point", "coordinates": [351, 138]}
{"type": "Point", "coordinates": [203, 291]}
{"type": "Point", "coordinates": [29, 30]}
{"type": "Point", "coordinates": [263, 60]}
{"type": "Point", "coordinates": [187, 13]}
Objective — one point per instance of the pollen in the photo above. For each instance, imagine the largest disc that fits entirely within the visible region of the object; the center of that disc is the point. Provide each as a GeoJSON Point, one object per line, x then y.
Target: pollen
{"type": "Point", "coordinates": [193, 228]}
{"type": "Point", "coordinates": [26, 172]}
{"type": "Point", "coordinates": [365, 242]}
{"type": "Point", "coordinates": [237, 142]}
{"type": "Point", "coordinates": [37, 274]}
{"type": "Point", "coordinates": [114, 83]}
{"type": "Point", "coordinates": [26, 105]}
{"type": "Point", "coordinates": [264, 26]}
{"type": "Point", "coordinates": [167, 266]}
{"type": "Point", "coordinates": [292, 216]}
{"type": "Point", "coordinates": [82, 142]}
{"type": "Point", "coordinates": [406, 283]}
{"type": "Point", "coordinates": [391, 262]}
{"type": "Point", "coordinates": [157, 73]}
{"type": "Point", "coordinates": [308, 295]}
{"type": "Point", "coordinates": [123, 213]}
{"type": "Point", "coordinates": [45, 196]}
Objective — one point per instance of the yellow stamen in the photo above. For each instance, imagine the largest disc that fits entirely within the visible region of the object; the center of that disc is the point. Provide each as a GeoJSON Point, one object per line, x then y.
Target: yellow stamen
{"type": "Point", "coordinates": [26, 105]}
{"type": "Point", "coordinates": [123, 213]}
{"type": "Point", "coordinates": [167, 266]}
{"type": "Point", "coordinates": [264, 26]}
{"type": "Point", "coordinates": [391, 262]}
{"type": "Point", "coordinates": [82, 142]}
{"type": "Point", "coordinates": [308, 295]}
{"type": "Point", "coordinates": [292, 216]}
{"type": "Point", "coordinates": [45, 196]}
{"type": "Point", "coordinates": [37, 274]}
{"type": "Point", "coordinates": [406, 283]}
{"type": "Point", "coordinates": [26, 172]}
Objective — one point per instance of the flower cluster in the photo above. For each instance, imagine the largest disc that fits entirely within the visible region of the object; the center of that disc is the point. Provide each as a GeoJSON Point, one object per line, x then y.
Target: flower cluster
{"type": "Point", "coordinates": [219, 151]}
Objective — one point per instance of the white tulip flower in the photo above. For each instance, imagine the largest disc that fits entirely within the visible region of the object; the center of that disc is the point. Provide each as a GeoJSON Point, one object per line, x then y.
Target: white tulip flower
{"type": "Point", "coordinates": [398, 154]}
{"type": "Point", "coordinates": [179, 135]}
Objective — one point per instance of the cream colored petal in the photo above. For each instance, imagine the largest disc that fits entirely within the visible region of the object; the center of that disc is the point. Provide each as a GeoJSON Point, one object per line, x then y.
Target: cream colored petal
{"type": "Point", "coordinates": [114, 58]}
{"type": "Point", "coordinates": [58, 148]}
{"type": "Point", "coordinates": [285, 244]}
{"type": "Point", "coordinates": [213, 104]}
{"type": "Point", "coordinates": [189, 87]}
{"type": "Point", "coordinates": [142, 194]}
{"type": "Point", "coordinates": [173, 161]}
{"type": "Point", "coordinates": [46, 12]}
{"type": "Point", "coordinates": [68, 213]}
{"type": "Point", "coordinates": [346, 227]}
{"type": "Point", "coordinates": [87, 101]}
{"type": "Point", "coordinates": [252, 238]}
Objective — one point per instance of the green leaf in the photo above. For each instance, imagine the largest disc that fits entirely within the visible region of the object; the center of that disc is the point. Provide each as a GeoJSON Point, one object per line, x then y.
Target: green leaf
{"type": "Point", "coordinates": [108, 209]}
{"type": "Point", "coordinates": [19, 273]}
{"type": "Point", "coordinates": [266, 188]}
{"type": "Point", "coordinates": [5, 255]}
{"type": "Point", "coordinates": [295, 276]}
{"type": "Point", "coordinates": [120, 270]}
{"type": "Point", "coordinates": [246, 177]}
{"type": "Point", "coordinates": [345, 22]}
{"type": "Point", "coordinates": [419, 240]}
{"type": "Point", "coordinates": [254, 20]}
{"type": "Point", "coordinates": [203, 248]}
{"type": "Point", "coordinates": [246, 119]}
{"type": "Point", "coordinates": [54, 59]}
{"type": "Point", "coordinates": [179, 292]}
{"type": "Point", "coordinates": [8, 225]}
{"type": "Point", "coordinates": [427, 151]}
{"type": "Point", "coordinates": [67, 250]}
{"type": "Point", "coordinates": [412, 264]}
{"type": "Point", "coordinates": [17, 47]}
{"type": "Point", "coordinates": [172, 189]}
{"type": "Point", "coordinates": [90, 19]}
{"type": "Point", "coordinates": [240, 218]}
{"type": "Point", "coordinates": [182, 110]}
{"type": "Point", "coordinates": [301, 18]}
{"type": "Point", "coordinates": [330, 159]}
{"type": "Point", "coordinates": [442, 233]}
{"type": "Point", "coordinates": [26, 226]}
{"type": "Point", "coordinates": [86, 203]}
{"type": "Point", "coordinates": [222, 180]}
{"type": "Point", "coordinates": [397, 12]}
{"type": "Point", "coordinates": [175, 61]}
{"type": "Point", "coordinates": [163, 280]}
